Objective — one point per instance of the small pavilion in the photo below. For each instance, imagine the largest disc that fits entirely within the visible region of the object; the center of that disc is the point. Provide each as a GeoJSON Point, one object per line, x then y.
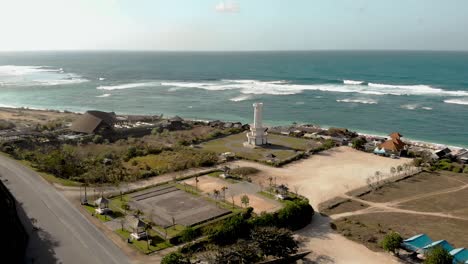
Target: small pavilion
{"type": "Point", "coordinates": [137, 227]}
{"type": "Point", "coordinates": [102, 205]}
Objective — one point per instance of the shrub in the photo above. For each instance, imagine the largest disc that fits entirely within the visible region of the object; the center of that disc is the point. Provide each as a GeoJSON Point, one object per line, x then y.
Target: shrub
{"type": "Point", "coordinates": [244, 171]}
{"type": "Point", "coordinates": [175, 258]}
{"type": "Point", "coordinates": [189, 234]}
{"type": "Point", "coordinates": [98, 139]}
{"type": "Point", "coordinates": [391, 242]}
{"type": "Point", "coordinates": [457, 169]}
{"type": "Point", "coordinates": [272, 241]}
{"type": "Point", "coordinates": [358, 143]}
{"type": "Point", "coordinates": [438, 255]}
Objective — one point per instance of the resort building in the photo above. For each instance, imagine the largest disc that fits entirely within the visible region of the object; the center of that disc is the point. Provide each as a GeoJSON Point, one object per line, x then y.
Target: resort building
{"type": "Point", "coordinates": [392, 146]}
{"type": "Point", "coordinates": [416, 243]}
{"type": "Point", "coordinates": [460, 255]}
{"type": "Point", "coordinates": [94, 122]}
{"type": "Point", "coordinates": [257, 135]}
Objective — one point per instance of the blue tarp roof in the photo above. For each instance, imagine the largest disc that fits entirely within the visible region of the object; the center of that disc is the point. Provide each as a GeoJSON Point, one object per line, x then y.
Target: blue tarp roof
{"type": "Point", "coordinates": [442, 243]}
{"type": "Point", "coordinates": [417, 242]}
{"type": "Point", "coordinates": [460, 255]}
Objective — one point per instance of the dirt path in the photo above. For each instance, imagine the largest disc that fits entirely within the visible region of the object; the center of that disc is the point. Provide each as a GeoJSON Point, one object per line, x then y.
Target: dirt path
{"type": "Point", "coordinates": [391, 207]}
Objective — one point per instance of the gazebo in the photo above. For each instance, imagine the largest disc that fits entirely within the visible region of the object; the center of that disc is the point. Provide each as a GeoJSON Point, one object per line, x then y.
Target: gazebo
{"type": "Point", "coordinates": [136, 226]}
{"type": "Point", "coordinates": [102, 205]}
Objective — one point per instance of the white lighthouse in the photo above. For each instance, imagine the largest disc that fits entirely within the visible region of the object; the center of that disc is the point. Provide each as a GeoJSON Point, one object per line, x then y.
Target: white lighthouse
{"type": "Point", "coordinates": [257, 135]}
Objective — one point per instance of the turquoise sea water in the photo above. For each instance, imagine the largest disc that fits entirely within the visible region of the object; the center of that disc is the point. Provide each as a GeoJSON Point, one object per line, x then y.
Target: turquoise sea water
{"type": "Point", "coordinates": [424, 95]}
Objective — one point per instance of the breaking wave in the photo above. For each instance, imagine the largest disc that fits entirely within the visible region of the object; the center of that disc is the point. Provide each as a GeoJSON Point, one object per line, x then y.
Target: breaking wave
{"type": "Point", "coordinates": [241, 98]}
{"type": "Point", "coordinates": [15, 75]}
{"type": "Point", "coordinates": [352, 82]}
{"type": "Point", "coordinates": [104, 95]}
{"type": "Point", "coordinates": [286, 88]}
{"type": "Point", "coordinates": [463, 101]}
{"type": "Point", "coordinates": [127, 86]}
{"type": "Point", "coordinates": [359, 101]}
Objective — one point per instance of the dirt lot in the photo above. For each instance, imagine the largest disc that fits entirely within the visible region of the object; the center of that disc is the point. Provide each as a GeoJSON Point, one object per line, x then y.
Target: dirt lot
{"type": "Point", "coordinates": [433, 203]}
{"type": "Point", "coordinates": [24, 117]}
{"type": "Point", "coordinates": [371, 228]}
{"type": "Point", "coordinates": [235, 190]}
{"type": "Point", "coordinates": [416, 185]}
{"type": "Point", "coordinates": [327, 174]}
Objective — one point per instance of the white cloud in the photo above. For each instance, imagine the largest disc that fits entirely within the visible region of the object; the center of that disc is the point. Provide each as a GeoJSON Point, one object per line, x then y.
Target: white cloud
{"type": "Point", "coordinates": [227, 7]}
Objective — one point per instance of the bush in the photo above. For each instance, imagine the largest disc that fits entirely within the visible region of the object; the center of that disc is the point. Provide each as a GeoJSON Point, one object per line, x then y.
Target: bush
{"type": "Point", "coordinates": [98, 139]}
{"type": "Point", "coordinates": [189, 234]}
{"type": "Point", "coordinates": [358, 143]}
{"type": "Point", "coordinates": [229, 231]}
{"type": "Point", "coordinates": [175, 258]}
{"type": "Point", "coordinates": [295, 215]}
{"type": "Point", "coordinates": [392, 242]}
{"type": "Point", "coordinates": [438, 255]}
{"type": "Point", "coordinates": [457, 169]}
{"type": "Point", "coordinates": [272, 241]}
{"type": "Point", "coordinates": [244, 171]}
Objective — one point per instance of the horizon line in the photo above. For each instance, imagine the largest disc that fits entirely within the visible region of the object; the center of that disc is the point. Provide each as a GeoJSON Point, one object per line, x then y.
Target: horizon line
{"type": "Point", "coordinates": [233, 51]}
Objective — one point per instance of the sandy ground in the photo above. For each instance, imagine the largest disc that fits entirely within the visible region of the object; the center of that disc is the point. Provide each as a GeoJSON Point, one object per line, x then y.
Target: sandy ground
{"type": "Point", "coordinates": [324, 176]}
{"type": "Point", "coordinates": [27, 116]}
{"type": "Point", "coordinates": [235, 191]}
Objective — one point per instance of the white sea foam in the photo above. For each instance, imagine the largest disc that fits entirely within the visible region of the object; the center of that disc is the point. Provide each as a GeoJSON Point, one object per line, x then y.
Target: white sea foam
{"type": "Point", "coordinates": [463, 101]}
{"type": "Point", "coordinates": [14, 75]}
{"type": "Point", "coordinates": [104, 95]}
{"type": "Point", "coordinates": [300, 103]}
{"type": "Point", "coordinates": [285, 88]}
{"type": "Point", "coordinates": [127, 86]}
{"type": "Point", "coordinates": [101, 78]}
{"type": "Point", "coordinates": [241, 98]}
{"type": "Point", "coordinates": [426, 108]}
{"type": "Point", "coordinates": [410, 106]}
{"type": "Point", "coordinates": [358, 101]}
{"type": "Point", "coordinates": [352, 82]}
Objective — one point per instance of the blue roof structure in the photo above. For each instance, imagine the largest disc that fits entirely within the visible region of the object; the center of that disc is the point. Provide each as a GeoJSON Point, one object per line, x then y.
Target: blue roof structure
{"type": "Point", "coordinates": [441, 243]}
{"type": "Point", "coordinates": [417, 242]}
{"type": "Point", "coordinates": [379, 151]}
{"type": "Point", "coordinates": [460, 255]}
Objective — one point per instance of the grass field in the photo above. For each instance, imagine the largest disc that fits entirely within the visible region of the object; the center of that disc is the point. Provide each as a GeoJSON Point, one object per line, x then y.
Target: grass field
{"type": "Point", "coordinates": [434, 203]}
{"type": "Point", "coordinates": [282, 147]}
{"type": "Point", "coordinates": [157, 243]}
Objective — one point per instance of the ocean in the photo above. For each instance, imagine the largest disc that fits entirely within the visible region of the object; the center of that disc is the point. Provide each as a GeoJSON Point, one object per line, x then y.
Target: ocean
{"type": "Point", "coordinates": [423, 95]}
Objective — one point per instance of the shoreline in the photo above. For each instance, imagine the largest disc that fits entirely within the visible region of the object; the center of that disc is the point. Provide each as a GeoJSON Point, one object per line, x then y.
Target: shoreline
{"type": "Point", "coordinates": [416, 142]}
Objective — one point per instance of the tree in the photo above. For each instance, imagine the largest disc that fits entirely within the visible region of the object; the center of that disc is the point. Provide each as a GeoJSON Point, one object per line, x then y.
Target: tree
{"type": "Point", "coordinates": [241, 252]}
{"type": "Point", "coordinates": [188, 234]}
{"type": "Point", "coordinates": [216, 194]}
{"type": "Point", "coordinates": [399, 169]}
{"type": "Point", "coordinates": [224, 188]}
{"type": "Point", "coordinates": [278, 242]}
{"type": "Point", "coordinates": [138, 213]}
{"type": "Point", "coordinates": [438, 255]}
{"type": "Point", "coordinates": [359, 142]}
{"type": "Point", "coordinates": [175, 258]}
{"type": "Point", "coordinates": [245, 200]}
{"type": "Point", "coordinates": [392, 242]}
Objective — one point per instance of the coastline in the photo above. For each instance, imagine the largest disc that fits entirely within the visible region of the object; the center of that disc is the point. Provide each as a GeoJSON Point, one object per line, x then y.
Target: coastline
{"type": "Point", "coordinates": [412, 141]}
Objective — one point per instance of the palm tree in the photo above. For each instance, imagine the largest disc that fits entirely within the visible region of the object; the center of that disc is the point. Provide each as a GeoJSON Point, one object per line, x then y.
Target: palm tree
{"type": "Point", "coordinates": [224, 188]}
{"type": "Point", "coordinates": [196, 182]}
{"type": "Point", "coordinates": [399, 169]}
{"type": "Point", "coordinates": [245, 200]}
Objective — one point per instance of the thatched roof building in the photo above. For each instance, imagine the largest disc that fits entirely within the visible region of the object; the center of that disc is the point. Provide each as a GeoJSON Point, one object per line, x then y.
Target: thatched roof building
{"type": "Point", "coordinates": [93, 122]}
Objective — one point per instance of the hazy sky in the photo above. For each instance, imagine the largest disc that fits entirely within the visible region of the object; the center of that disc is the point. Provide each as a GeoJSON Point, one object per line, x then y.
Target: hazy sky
{"type": "Point", "coordinates": [233, 25]}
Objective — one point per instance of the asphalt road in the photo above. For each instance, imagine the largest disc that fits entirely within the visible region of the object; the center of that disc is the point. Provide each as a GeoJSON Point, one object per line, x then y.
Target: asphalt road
{"type": "Point", "coordinates": [64, 235]}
